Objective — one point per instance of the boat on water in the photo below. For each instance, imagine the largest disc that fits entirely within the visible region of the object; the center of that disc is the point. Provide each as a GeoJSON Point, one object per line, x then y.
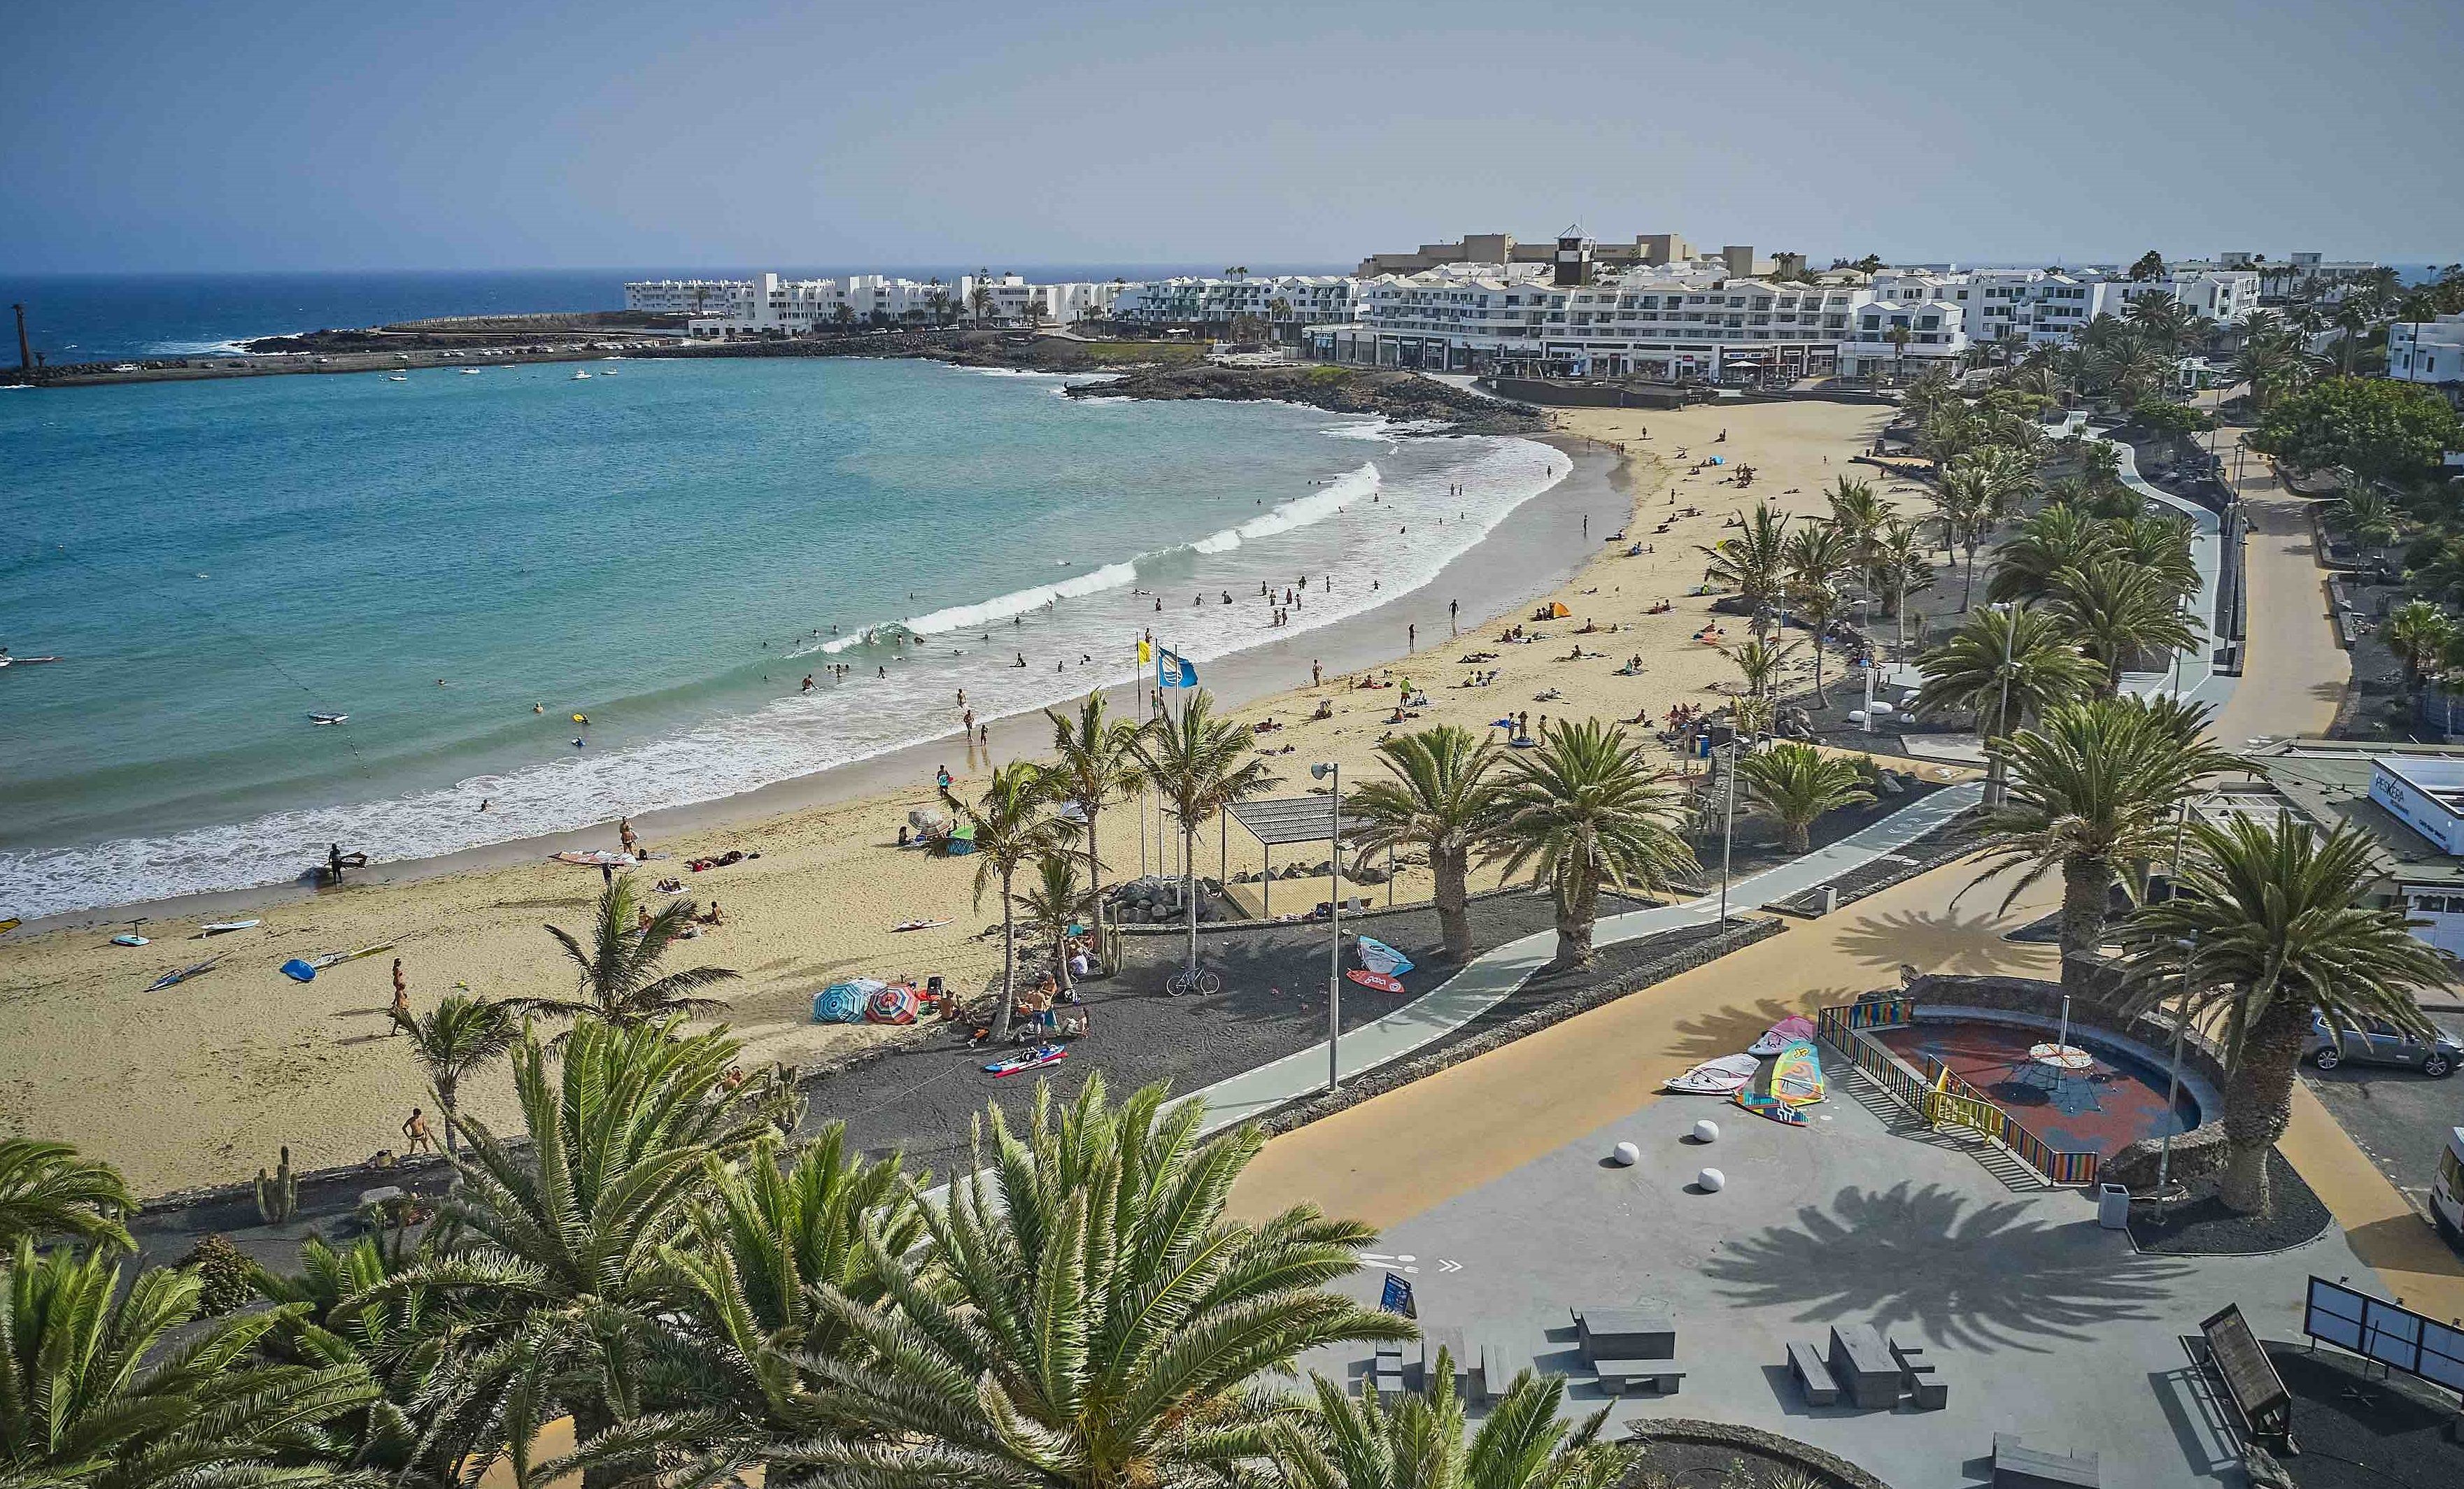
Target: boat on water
{"type": "Point", "coordinates": [580, 377]}
{"type": "Point", "coordinates": [10, 661]}
{"type": "Point", "coordinates": [396, 376]}
{"type": "Point", "coordinates": [469, 372]}
{"type": "Point", "coordinates": [327, 718]}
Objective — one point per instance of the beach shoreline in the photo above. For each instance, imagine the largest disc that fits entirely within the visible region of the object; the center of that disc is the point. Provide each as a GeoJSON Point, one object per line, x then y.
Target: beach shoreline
{"type": "Point", "coordinates": [1533, 549]}
{"type": "Point", "coordinates": [199, 1084]}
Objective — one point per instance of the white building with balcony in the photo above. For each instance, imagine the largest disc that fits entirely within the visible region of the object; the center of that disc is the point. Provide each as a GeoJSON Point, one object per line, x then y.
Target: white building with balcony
{"type": "Point", "coordinates": [1283, 303]}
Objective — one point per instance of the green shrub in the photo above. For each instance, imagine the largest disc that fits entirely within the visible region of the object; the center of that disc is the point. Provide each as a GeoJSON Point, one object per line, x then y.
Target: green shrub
{"type": "Point", "coordinates": [222, 1272]}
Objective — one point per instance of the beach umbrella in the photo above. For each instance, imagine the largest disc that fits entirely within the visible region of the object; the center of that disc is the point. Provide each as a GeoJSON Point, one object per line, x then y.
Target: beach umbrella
{"type": "Point", "coordinates": [845, 1002]}
{"type": "Point", "coordinates": [893, 1004]}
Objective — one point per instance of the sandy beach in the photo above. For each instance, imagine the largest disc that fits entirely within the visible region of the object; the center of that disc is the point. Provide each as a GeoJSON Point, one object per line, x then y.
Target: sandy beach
{"type": "Point", "coordinates": [201, 1084]}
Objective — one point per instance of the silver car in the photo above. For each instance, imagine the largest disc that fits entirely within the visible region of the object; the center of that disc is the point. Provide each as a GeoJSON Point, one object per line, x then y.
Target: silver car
{"type": "Point", "coordinates": [2378, 1043]}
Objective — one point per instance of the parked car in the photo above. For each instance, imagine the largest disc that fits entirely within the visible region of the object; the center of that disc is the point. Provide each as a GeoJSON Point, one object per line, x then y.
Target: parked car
{"type": "Point", "coordinates": [2377, 1044]}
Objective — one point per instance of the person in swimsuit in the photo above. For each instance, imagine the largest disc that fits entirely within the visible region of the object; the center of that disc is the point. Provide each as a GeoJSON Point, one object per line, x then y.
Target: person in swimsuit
{"type": "Point", "coordinates": [415, 1134]}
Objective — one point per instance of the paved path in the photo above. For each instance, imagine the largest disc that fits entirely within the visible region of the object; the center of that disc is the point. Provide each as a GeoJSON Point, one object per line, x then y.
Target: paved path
{"type": "Point", "coordinates": [1491, 978]}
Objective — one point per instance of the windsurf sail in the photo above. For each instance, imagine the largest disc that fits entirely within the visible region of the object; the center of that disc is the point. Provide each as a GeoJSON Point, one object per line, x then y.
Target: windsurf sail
{"type": "Point", "coordinates": [1780, 1036]}
{"type": "Point", "coordinates": [1379, 957]}
{"type": "Point", "coordinates": [1792, 1082]}
{"type": "Point", "coordinates": [1721, 1076]}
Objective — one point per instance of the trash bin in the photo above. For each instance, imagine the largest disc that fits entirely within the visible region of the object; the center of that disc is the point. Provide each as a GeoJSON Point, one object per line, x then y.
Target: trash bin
{"type": "Point", "coordinates": [2113, 1207]}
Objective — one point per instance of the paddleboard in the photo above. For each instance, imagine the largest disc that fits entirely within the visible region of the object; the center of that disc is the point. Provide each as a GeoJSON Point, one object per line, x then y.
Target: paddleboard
{"type": "Point", "coordinates": [227, 926]}
{"type": "Point", "coordinates": [1027, 1059]}
{"type": "Point", "coordinates": [1374, 979]}
{"type": "Point", "coordinates": [131, 938]}
{"type": "Point", "coordinates": [918, 925]}
{"type": "Point", "coordinates": [171, 978]}
{"type": "Point", "coordinates": [596, 858]}
{"type": "Point", "coordinates": [327, 718]}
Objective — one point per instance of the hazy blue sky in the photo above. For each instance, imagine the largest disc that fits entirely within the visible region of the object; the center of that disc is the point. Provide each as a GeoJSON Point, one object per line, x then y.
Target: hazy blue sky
{"type": "Point", "coordinates": [246, 134]}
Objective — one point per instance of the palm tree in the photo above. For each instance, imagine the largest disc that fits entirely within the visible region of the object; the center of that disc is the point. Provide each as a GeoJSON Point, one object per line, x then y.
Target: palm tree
{"type": "Point", "coordinates": [1897, 567]}
{"type": "Point", "coordinates": [1762, 662]}
{"type": "Point", "coordinates": [1197, 762]}
{"type": "Point", "coordinates": [1095, 764]}
{"type": "Point", "coordinates": [564, 1288]}
{"type": "Point", "coordinates": [1584, 810]}
{"type": "Point", "coordinates": [1860, 511]}
{"type": "Point", "coordinates": [1012, 829]}
{"type": "Point", "coordinates": [46, 1190]}
{"type": "Point", "coordinates": [774, 1229]}
{"type": "Point", "coordinates": [1796, 784]}
{"type": "Point", "coordinates": [2007, 667]}
{"type": "Point", "coordinates": [2268, 931]}
{"type": "Point", "coordinates": [1053, 904]}
{"type": "Point", "coordinates": [1755, 562]}
{"type": "Point", "coordinates": [1962, 502]}
{"type": "Point", "coordinates": [2352, 316]}
{"type": "Point", "coordinates": [401, 1345]}
{"type": "Point", "coordinates": [455, 1038]}
{"type": "Point", "coordinates": [94, 1394]}
{"type": "Point", "coordinates": [2093, 786]}
{"type": "Point", "coordinates": [2058, 537]}
{"type": "Point", "coordinates": [2419, 633]}
{"type": "Point", "coordinates": [1819, 556]}
{"type": "Point", "coordinates": [2363, 510]}
{"type": "Point", "coordinates": [1085, 1314]}
{"type": "Point", "coordinates": [2122, 612]}
{"type": "Point", "coordinates": [2159, 544]}
{"type": "Point", "coordinates": [617, 976]}
{"type": "Point", "coordinates": [1416, 1442]}
{"type": "Point", "coordinates": [1444, 797]}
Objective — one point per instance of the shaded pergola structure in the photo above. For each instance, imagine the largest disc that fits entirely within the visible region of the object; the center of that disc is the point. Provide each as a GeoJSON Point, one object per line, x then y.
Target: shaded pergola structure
{"type": "Point", "coordinates": [1278, 821]}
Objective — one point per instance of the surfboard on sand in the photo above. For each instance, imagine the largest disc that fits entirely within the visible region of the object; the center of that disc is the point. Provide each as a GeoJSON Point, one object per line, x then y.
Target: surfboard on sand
{"type": "Point", "coordinates": [920, 924]}
{"type": "Point", "coordinates": [223, 928]}
{"type": "Point", "coordinates": [1376, 980]}
{"type": "Point", "coordinates": [299, 971]}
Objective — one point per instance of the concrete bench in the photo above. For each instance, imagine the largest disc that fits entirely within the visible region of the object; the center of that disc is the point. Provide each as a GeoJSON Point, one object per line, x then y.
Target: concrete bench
{"type": "Point", "coordinates": [1624, 1334]}
{"type": "Point", "coordinates": [1861, 1363]}
{"type": "Point", "coordinates": [1386, 1371]}
{"type": "Point", "coordinates": [1618, 1377]}
{"type": "Point", "coordinates": [1449, 1341]}
{"type": "Point", "coordinates": [2015, 1467]}
{"type": "Point", "coordinates": [1813, 1376]}
{"type": "Point", "coordinates": [1491, 1368]}
{"type": "Point", "coordinates": [1928, 1391]}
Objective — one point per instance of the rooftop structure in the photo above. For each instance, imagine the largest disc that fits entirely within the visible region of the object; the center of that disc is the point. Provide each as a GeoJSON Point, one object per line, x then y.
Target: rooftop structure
{"type": "Point", "coordinates": [2428, 351]}
{"type": "Point", "coordinates": [2407, 801]}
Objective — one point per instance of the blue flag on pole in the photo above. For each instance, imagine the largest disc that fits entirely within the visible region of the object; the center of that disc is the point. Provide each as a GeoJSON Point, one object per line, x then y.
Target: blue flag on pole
{"type": "Point", "coordinates": [1173, 670]}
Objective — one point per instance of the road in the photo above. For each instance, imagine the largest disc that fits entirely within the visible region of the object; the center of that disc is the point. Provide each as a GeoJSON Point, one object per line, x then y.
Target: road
{"type": "Point", "coordinates": [2399, 1117]}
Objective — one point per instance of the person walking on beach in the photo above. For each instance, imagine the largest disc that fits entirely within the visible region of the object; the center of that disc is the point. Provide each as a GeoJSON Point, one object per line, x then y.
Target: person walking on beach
{"type": "Point", "coordinates": [415, 1134]}
{"type": "Point", "coordinates": [624, 836]}
{"type": "Point", "coordinates": [1411, 638]}
{"type": "Point", "coordinates": [400, 1011]}
{"type": "Point", "coordinates": [1317, 674]}
{"type": "Point", "coordinates": [1453, 606]}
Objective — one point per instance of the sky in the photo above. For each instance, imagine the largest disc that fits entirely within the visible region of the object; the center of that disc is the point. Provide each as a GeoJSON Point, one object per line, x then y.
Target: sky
{"type": "Point", "coordinates": [472, 134]}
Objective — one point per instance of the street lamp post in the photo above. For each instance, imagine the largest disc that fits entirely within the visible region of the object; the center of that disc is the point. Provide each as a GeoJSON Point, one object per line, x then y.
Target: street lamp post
{"type": "Point", "coordinates": [1330, 770]}
{"type": "Point", "coordinates": [2173, 1085]}
{"type": "Point", "coordinates": [1727, 828]}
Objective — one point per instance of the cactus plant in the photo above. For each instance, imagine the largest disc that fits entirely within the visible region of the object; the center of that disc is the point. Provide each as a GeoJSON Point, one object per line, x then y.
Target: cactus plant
{"type": "Point", "coordinates": [277, 1197]}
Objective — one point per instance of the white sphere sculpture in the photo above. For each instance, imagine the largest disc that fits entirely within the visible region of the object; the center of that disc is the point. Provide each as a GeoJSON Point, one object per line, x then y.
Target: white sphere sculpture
{"type": "Point", "coordinates": [1712, 1180]}
{"type": "Point", "coordinates": [1707, 1131]}
{"type": "Point", "coordinates": [1856, 716]}
{"type": "Point", "coordinates": [1626, 1155]}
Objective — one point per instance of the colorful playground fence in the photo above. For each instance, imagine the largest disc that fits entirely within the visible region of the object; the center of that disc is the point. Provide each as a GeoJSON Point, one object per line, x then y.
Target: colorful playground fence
{"type": "Point", "coordinates": [1940, 1096]}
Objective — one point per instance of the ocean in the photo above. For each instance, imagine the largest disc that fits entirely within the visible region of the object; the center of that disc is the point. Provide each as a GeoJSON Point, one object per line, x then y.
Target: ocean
{"type": "Point", "coordinates": [111, 317]}
{"type": "Point", "coordinates": [462, 564]}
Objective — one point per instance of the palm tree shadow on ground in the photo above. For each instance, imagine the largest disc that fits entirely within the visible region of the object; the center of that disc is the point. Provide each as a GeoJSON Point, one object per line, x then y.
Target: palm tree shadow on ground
{"type": "Point", "coordinates": [1967, 940]}
{"type": "Point", "coordinates": [1974, 1277]}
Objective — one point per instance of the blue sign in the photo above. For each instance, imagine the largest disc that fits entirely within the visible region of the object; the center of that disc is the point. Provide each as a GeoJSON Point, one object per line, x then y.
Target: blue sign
{"type": "Point", "coordinates": [1397, 1298]}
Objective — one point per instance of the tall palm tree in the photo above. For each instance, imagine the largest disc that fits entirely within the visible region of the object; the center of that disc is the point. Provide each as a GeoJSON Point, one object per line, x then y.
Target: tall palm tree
{"type": "Point", "coordinates": [2122, 612]}
{"type": "Point", "coordinates": [617, 974]}
{"type": "Point", "coordinates": [46, 1190]}
{"type": "Point", "coordinates": [1963, 503]}
{"type": "Point", "coordinates": [1796, 784]}
{"type": "Point", "coordinates": [1755, 562]}
{"type": "Point", "coordinates": [564, 1291]}
{"type": "Point", "coordinates": [1588, 809]}
{"type": "Point", "coordinates": [1443, 795]}
{"type": "Point", "coordinates": [1820, 556]}
{"type": "Point", "coordinates": [2363, 510]}
{"type": "Point", "coordinates": [1014, 826]}
{"type": "Point", "coordinates": [1053, 904]}
{"type": "Point", "coordinates": [95, 1395]}
{"type": "Point", "coordinates": [1201, 765]}
{"type": "Point", "coordinates": [1417, 1441]}
{"type": "Point", "coordinates": [2006, 666]}
{"type": "Point", "coordinates": [2419, 633]}
{"type": "Point", "coordinates": [457, 1038]}
{"type": "Point", "coordinates": [1857, 510]}
{"type": "Point", "coordinates": [1086, 1315]}
{"type": "Point", "coordinates": [1897, 567]}
{"type": "Point", "coordinates": [1095, 764]}
{"type": "Point", "coordinates": [2269, 929]}
{"type": "Point", "coordinates": [2093, 786]}
{"type": "Point", "coordinates": [2058, 537]}
{"type": "Point", "coordinates": [2159, 544]}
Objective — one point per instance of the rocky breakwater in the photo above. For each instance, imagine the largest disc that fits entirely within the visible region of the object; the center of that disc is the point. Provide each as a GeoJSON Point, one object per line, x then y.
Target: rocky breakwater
{"type": "Point", "coordinates": [1400, 395]}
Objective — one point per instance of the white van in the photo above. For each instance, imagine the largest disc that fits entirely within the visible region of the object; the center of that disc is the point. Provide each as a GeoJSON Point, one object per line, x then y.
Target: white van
{"type": "Point", "coordinates": [2446, 1190]}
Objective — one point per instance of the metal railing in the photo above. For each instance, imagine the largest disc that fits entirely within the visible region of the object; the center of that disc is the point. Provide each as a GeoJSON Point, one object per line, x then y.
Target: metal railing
{"type": "Point", "coordinates": [1939, 1096]}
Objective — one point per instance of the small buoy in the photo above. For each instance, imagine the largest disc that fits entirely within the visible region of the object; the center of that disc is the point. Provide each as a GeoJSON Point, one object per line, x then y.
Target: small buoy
{"type": "Point", "coordinates": [1626, 1155]}
{"type": "Point", "coordinates": [1707, 1131]}
{"type": "Point", "coordinates": [1711, 1181]}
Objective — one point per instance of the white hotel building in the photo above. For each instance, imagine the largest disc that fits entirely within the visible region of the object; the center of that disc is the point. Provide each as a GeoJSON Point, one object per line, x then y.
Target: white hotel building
{"type": "Point", "coordinates": [2429, 352]}
{"type": "Point", "coordinates": [767, 304]}
{"type": "Point", "coordinates": [1284, 303]}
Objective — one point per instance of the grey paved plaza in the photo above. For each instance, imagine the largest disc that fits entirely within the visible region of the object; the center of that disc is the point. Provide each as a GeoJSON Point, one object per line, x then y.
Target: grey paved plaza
{"type": "Point", "coordinates": [2043, 1323]}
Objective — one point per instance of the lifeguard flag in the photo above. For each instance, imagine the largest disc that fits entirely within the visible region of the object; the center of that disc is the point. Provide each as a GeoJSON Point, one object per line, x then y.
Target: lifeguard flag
{"type": "Point", "coordinates": [1172, 671]}
{"type": "Point", "coordinates": [1146, 654]}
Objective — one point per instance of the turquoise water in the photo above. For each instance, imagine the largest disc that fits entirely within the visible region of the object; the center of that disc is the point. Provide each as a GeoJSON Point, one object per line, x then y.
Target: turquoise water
{"type": "Point", "coordinates": [669, 548]}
